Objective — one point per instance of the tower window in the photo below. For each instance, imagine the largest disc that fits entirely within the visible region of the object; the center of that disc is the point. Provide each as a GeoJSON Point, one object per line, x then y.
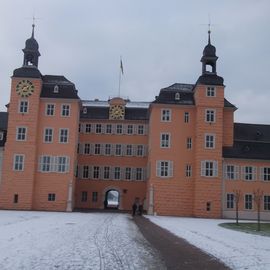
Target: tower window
{"type": "Point", "coordinates": [210, 116]}
{"type": "Point", "coordinates": [189, 143]}
{"type": "Point", "coordinates": [186, 117]}
{"type": "Point", "coordinates": [209, 141]}
{"type": "Point", "coordinates": [209, 168]}
{"type": "Point", "coordinates": [210, 91]}
{"type": "Point", "coordinates": [23, 106]}
{"type": "Point", "coordinates": [21, 134]}
{"type": "Point", "coordinates": [18, 162]}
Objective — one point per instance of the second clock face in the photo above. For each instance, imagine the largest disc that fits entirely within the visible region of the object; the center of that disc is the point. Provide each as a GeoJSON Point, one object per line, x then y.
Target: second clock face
{"type": "Point", "coordinates": [25, 88]}
{"type": "Point", "coordinates": [117, 112]}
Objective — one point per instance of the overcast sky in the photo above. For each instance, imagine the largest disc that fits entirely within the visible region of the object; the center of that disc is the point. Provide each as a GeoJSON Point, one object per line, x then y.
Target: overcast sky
{"type": "Point", "coordinates": [161, 43]}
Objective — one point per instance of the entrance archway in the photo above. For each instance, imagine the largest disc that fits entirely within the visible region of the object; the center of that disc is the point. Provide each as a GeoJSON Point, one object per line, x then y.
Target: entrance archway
{"type": "Point", "coordinates": [112, 199]}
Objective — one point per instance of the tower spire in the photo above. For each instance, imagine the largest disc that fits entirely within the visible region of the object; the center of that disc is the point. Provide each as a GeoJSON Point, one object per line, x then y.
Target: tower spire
{"type": "Point", "coordinates": [209, 36]}
{"type": "Point", "coordinates": [33, 27]}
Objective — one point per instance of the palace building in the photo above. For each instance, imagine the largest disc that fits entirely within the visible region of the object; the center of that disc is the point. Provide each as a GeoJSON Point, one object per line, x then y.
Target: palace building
{"type": "Point", "coordinates": [180, 155]}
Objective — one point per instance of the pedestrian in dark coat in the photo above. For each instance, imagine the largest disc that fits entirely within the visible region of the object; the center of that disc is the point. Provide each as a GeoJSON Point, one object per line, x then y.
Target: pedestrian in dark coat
{"type": "Point", "coordinates": [134, 208]}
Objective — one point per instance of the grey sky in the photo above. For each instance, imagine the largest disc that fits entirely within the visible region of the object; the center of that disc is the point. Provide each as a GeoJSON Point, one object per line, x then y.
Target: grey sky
{"type": "Point", "coordinates": [161, 43]}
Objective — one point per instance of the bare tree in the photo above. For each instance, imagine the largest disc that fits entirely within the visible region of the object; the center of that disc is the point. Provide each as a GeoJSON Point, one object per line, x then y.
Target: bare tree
{"type": "Point", "coordinates": [257, 197]}
{"type": "Point", "coordinates": [237, 197]}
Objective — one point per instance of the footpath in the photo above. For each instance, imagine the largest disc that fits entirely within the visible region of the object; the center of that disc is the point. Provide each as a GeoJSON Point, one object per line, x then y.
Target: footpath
{"type": "Point", "coordinates": [177, 253]}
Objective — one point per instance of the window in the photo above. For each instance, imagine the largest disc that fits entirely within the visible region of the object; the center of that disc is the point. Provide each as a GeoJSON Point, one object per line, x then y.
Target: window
{"type": "Point", "coordinates": [87, 149]}
{"type": "Point", "coordinates": [48, 135]}
{"type": "Point", "coordinates": [45, 164]}
{"type": "Point", "coordinates": [63, 135]}
{"type": "Point", "coordinates": [62, 164]}
{"type": "Point", "coordinates": [18, 162]}
{"type": "Point", "coordinates": [106, 172]}
{"type": "Point", "coordinates": [84, 110]}
{"type": "Point", "coordinates": [16, 198]}
{"type": "Point", "coordinates": [84, 196]}
{"type": "Point", "coordinates": [50, 109]}
{"type": "Point", "coordinates": [118, 149]}
{"type": "Point", "coordinates": [129, 150]}
{"type": "Point", "coordinates": [108, 128]}
{"type": "Point", "coordinates": [97, 149]}
{"type": "Point", "coordinates": [186, 117]}
{"type": "Point", "coordinates": [21, 134]}
{"type": "Point", "coordinates": [209, 168]}
{"type": "Point", "coordinates": [231, 172]}
{"type": "Point", "coordinates": [189, 143]}
{"type": "Point", "coordinates": [51, 197]}
{"type": "Point", "coordinates": [209, 140]}
{"type": "Point", "coordinates": [140, 129]}
{"type": "Point", "coordinates": [208, 206]}
{"type": "Point", "coordinates": [139, 173]}
{"type": "Point", "coordinates": [164, 168]}
{"type": "Point", "coordinates": [119, 129]}
{"type": "Point", "coordinates": [248, 201]}
{"type": "Point", "coordinates": [98, 128]}
{"type": "Point", "coordinates": [140, 151]}
{"type": "Point", "coordinates": [1, 136]}
{"type": "Point", "coordinates": [107, 149]}
{"type": "Point", "coordinates": [164, 140]}
{"type": "Point", "coordinates": [94, 196]}
{"type": "Point", "coordinates": [265, 173]}
{"type": "Point", "coordinates": [266, 202]}
{"type": "Point", "coordinates": [65, 110]}
{"type": "Point", "coordinates": [249, 173]}
{"type": "Point", "coordinates": [96, 172]}
{"type": "Point", "coordinates": [23, 106]}
{"type": "Point", "coordinates": [230, 200]}
{"type": "Point", "coordinates": [177, 96]}
{"type": "Point", "coordinates": [165, 115]}
{"type": "Point", "coordinates": [210, 91]}
{"type": "Point", "coordinates": [117, 173]}
{"type": "Point", "coordinates": [87, 128]}
{"type": "Point", "coordinates": [210, 116]}
{"type": "Point", "coordinates": [56, 89]}
{"type": "Point", "coordinates": [128, 174]}
{"type": "Point", "coordinates": [130, 129]}
{"type": "Point", "coordinates": [188, 170]}
{"type": "Point", "coordinates": [85, 172]}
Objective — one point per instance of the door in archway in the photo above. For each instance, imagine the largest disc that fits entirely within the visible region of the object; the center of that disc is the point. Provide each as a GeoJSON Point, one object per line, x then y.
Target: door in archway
{"type": "Point", "coordinates": [112, 199]}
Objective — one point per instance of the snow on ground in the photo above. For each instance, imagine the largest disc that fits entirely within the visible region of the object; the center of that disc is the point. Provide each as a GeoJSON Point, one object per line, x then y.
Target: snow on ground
{"type": "Point", "coordinates": [50, 240]}
{"type": "Point", "coordinates": [237, 250]}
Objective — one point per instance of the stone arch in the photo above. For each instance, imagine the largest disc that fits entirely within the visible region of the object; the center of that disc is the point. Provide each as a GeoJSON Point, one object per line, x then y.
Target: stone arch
{"type": "Point", "coordinates": [119, 190]}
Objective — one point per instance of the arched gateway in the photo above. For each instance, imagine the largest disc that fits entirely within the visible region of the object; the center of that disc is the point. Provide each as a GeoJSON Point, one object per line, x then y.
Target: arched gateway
{"type": "Point", "coordinates": [112, 198]}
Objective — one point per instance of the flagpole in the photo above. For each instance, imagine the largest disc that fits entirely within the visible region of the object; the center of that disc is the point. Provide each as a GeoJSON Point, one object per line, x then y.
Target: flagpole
{"type": "Point", "coordinates": [119, 85]}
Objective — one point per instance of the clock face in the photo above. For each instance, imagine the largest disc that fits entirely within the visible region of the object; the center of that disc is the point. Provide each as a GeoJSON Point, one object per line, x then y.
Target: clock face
{"type": "Point", "coordinates": [25, 88]}
{"type": "Point", "coordinates": [117, 112]}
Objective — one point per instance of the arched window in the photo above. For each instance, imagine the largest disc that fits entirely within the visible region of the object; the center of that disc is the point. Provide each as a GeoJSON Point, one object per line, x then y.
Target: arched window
{"type": "Point", "coordinates": [177, 96]}
{"type": "Point", "coordinates": [56, 89]}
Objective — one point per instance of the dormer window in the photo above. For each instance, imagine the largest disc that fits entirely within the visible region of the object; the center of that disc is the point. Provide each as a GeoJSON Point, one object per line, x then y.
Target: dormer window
{"type": "Point", "coordinates": [56, 89]}
{"type": "Point", "coordinates": [210, 91]}
{"type": "Point", "coordinates": [177, 96]}
{"type": "Point", "coordinates": [84, 110]}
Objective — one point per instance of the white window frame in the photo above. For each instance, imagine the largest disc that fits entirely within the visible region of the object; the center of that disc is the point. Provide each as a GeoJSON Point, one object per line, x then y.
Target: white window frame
{"type": "Point", "coordinates": [62, 167]}
{"type": "Point", "coordinates": [129, 150]}
{"type": "Point", "coordinates": [119, 129]}
{"type": "Point", "coordinates": [139, 174]}
{"type": "Point", "coordinates": [230, 197]}
{"type": "Point", "coordinates": [165, 140]}
{"type": "Point", "coordinates": [118, 149]}
{"type": "Point", "coordinates": [128, 173]}
{"type": "Point", "coordinates": [18, 165]}
{"type": "Point", "coordinates": [250, 201]}
{"type": "Point", "coordinates": [231, 172]}
{"type": "Point", "coordinates": [210, 91]}
{"type": "Point", "coordinates": [87, 149]}
{"type": "Point", "coordinates": [98, 128]}
{"type": "Point", "coordinates": [166, 115]}
{"type": "Point", "coordinates": [65, 110]}
{"type": "Point", "coordinates": [97, 149]}
{"type": "Point", "coordinates": [85, 172]}
{"type": "Point", "coordinates": [46, 136]}
{"type": "Point", "coordinates": [87, 128]}
{"type": "Point", "coordinates": [48, 109]}
{"type": "Point", "coordinates": [108, 129]}
{"type": "Point", "coordinates": [108, 149]}
{"type": "Point", "coordinates": [63, 135]}
{"type": "Point", "coordinates": [130, 129]}
{"type": "Point", "coordinates": [140, 150]}
{"type": "Point", "coordinates": [164, 168]}
{"type": "Point", "coordinates": [46, 163]}
{"type": "Point", "coordinates": [106, 172]}
{"type": "Point", "coordinates": [210, 115]}
{"type": "Point", "coordinates": [141, 130]}
{"type": "Point", "coordinates": [21, 136]}
{"type": "Point", "coordinates": [265, 174]}
{"type": "Point", "coordinates": [96, 172]}
{"type": "Point", "coordinates": [186, 117]}
{"type": "Point", "coordinates": [249, 176]}
{"type": "Point", "coordinates": [209, 168]}
{"type": "Point", "coordinates": [209, 141]}
{"type": "Point", "coordinates": [266, 202]}
{"type": "Point", "coordinates": [23, 106]}
{"type": "Point", "coordinates": [115, 172]}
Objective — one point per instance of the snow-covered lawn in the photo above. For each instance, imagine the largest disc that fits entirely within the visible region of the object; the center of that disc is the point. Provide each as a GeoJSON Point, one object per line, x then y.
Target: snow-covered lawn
{"type": "Point", "coordinates": [238, 250]}
{"type": "Point", "coordinates": [49, 240]}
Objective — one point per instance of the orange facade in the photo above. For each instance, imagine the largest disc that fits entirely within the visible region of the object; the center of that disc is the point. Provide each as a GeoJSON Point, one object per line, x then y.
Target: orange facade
{"type": "Point", "coordinates": [180, 155]}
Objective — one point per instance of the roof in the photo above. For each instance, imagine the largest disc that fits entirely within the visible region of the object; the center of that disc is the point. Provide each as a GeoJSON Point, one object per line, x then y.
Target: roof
{"type": "Point", "coordinates": [186, 92]}
{"type": "Point", "coordinates": [97, 109]}
{"type": "Point", "coordinates": [3, 120]}
{"type": "Point", "coordinates": [251, 141]}
{"type": "Point", "coordinates": [210, 79]}
{"type": "Point", "coordinates": [66, 89]}
{"type": "Point", "coordinates": [27, 71]}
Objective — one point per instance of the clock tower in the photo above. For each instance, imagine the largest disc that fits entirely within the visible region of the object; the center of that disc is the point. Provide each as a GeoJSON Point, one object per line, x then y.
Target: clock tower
{"type": "Point", "coordinates": [20, 150]}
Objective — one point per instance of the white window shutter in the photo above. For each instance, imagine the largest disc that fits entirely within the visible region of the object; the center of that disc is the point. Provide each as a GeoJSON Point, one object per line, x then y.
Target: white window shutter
{"type": "Point", "coordinates": [67, 164]}
{"type": "Point", "coordinates": [202, 168]}
{"type": "Point", "coordinates": [254, 173]}
{"type": "Point", "coordinates": [171, 168]}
